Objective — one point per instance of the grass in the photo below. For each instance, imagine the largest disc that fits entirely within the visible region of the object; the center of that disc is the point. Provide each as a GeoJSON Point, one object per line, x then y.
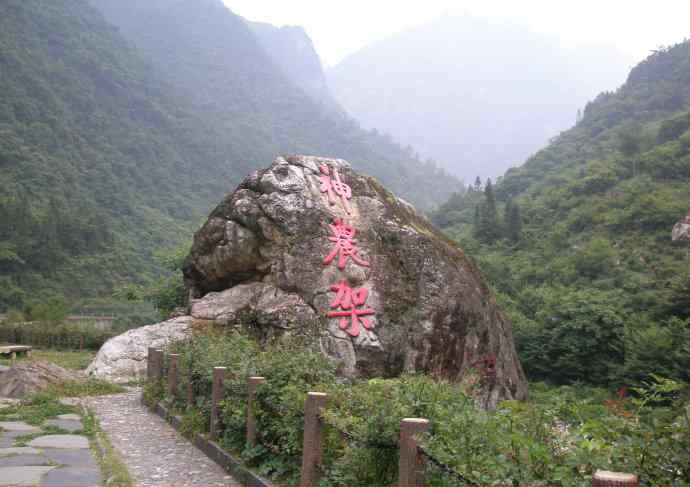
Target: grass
{"type": "Point", "coordinates": [87, 387]}
{"type": "Point", "coordinates": [68, 360]}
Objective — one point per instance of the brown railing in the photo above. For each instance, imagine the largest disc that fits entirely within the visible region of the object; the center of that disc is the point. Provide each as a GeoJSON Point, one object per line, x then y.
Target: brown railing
{"type": "Point", "coordinates": [413, 459]}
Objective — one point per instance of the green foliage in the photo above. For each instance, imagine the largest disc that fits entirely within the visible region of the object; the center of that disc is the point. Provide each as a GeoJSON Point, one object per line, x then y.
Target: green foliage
{"type": "Point", "coordinates": [49, 335]}
{"type": "Point", "coordinates": [87, 387]}
{"type": "Point", "coordinates": [558, 438]}
{"type": "Point", "coordinates": [52, 310]}
{"type": "Point", "coordinates": [595, 288]}
{"type": "Point", "coordinates": [110, 148]}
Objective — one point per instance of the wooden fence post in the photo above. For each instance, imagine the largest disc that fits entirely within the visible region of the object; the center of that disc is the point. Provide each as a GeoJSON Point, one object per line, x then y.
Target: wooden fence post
{"type": "Point", "coordinates": [172, 375]}
{"type": "Point", "coordinates": [602, 478]}
{"type": "Point", "coordinates": [150, 357]}
{"type": "Point", "coordinates": [252, 384]}
{"type": "Point", "coordinates": [312, 442]}
{"type": "Point", "coordinates": [411, 464]}
{"type": "Point", "coordinates": [157, 365]}
{"type": "Point", "coordinates": [219, 374]}
{"type": "Point", "coordinates": [190, 386]}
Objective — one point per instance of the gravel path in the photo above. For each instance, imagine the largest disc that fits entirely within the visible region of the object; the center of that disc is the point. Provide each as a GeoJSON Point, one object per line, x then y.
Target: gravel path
{"type": "Point", "coordinates": [155, 454]}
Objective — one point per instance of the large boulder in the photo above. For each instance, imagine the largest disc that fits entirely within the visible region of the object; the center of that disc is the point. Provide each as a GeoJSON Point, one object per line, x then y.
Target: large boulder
{"type": "Point", "coordinates": [123, 357]}
{"type": "Point", "coordinates": [681, 230]}
{"type": "Point", "coordinates": [30, 377]}
{"type": "Point", "coordinates": [260, 258]}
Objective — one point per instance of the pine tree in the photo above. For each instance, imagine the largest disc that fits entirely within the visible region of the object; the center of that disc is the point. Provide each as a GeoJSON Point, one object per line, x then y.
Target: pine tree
{"type": "Point", "coordinates": [476, 230]}
{"type": "Point", "coordinates": [477, 184]}
{"type": "Point", "coordinates": [513, 222]}
{"type": "Point", "coordinates": [489, 216]}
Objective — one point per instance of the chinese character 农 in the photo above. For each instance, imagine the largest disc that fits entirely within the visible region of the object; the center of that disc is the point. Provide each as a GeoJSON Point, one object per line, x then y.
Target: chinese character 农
{"type": "Point", "coordinates": [345, 245]}
{"type": "Point", "coordinates": [348, 299]}
{"type": "Point", "coordinates": [336, 187]}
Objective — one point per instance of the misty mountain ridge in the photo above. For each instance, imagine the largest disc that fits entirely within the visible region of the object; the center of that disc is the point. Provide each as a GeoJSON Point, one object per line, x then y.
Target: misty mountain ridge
{"type": "Point", "coordinates": [121, 125]}
{"type": "Point", "coordinates": [478, 95]}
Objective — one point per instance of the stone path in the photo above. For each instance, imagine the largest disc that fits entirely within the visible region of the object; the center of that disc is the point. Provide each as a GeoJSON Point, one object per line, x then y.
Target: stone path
{"type": "Point", "coordinates": [154, 453]}
{"type": "Point", "coordinates": [48, 460]}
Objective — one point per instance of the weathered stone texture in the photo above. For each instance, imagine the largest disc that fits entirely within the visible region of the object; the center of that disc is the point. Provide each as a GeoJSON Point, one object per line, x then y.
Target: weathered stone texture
{"type": "Point", "coordinates": [681, 230]}
{"type": "Point", "coordinates": [259, 260]}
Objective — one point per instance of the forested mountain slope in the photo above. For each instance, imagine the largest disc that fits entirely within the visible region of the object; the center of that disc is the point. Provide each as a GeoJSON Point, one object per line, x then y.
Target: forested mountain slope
{"type": "Point", "coordinates": [111, 148]}
{"type": "Point", "coordinates": [98, 158]}
{"type": "Point", "coordinates": [212, 57]}
{"type": "Point", "coordinates": [597, 290]}
{"type": "Point", "coordinates": [479, 95]}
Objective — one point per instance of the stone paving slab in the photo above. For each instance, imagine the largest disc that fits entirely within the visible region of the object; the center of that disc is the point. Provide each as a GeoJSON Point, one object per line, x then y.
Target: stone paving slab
{"type": "Point", "coordinates": [25, 428]}
{"type": "Point", "coordinates": [7, 438]}
{"type": "Point", "coordinates": [60, 441]}
{"type": "Point", "coordinates": [65, 424]}
{"type": "Point", "coordinates": [72, 477]}
{"type": "Point", "coordinates": [25, 461]}
{"type": "Point", "coordinates": [154, 453]}
{"type": "Point", "coordinates": [69, 417]}
{"type": "Point", "coordinates": [22, 476]}
{"type": "Point", "coordinates": [70, 458]}
{"type": "Point", "coordinates": [18, 450]}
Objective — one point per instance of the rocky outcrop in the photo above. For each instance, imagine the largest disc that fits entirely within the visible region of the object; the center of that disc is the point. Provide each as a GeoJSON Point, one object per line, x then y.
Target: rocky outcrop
{"type": "Point", "coordinates": [30, 377]}
{"type": "Point", "coordinates": [123, 357]}
{"type": "Point", "coordinates": [424, 307]}
{"type": "Point", "coordinates": [681, 230]}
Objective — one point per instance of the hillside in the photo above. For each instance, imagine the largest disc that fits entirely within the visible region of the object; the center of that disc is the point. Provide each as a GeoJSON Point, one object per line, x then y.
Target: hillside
{"type": "Point", "coordinates": [111, 148]}
{"type": "Point", "coordinates": [214, 59]}
{"type": "Point", "coordinates": [98, 158]}
{"type": "Point", "coordinates": [594, 285]}
{"type": "Point", "coordinates": [291, 49]}
{"type": "Point", "coordinates": [478, 95]}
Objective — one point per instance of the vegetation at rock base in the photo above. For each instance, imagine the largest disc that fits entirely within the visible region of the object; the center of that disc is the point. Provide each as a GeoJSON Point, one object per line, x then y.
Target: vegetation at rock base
{"type": "Point", "coordinates": [558, 438]}
{"type": "Point", "coordinates": [585, 268]}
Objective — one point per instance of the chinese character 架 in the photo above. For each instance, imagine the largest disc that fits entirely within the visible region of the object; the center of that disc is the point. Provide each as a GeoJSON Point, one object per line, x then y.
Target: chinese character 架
{"type": "Point", "coordinates": [348, 299]}
{"type": "Point", "coordinates": [336, 187]}
{"type": "Point", "coordinates": [345, 245]}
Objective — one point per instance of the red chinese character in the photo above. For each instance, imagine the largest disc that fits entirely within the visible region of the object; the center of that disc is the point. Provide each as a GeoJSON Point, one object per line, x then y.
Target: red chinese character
{"type": "Point", "coordinates": [345, 245]}
{"type": "Point", "coordinates": [349, 299]}
{"type": "Point", "coordinates": [336, 187]}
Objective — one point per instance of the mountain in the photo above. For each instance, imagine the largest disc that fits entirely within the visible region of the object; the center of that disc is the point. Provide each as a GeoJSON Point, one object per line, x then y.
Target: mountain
{"type": "Point", "coordinates": [292, 50]}
{"type": "Point", "coordinates": [478, 95]}
{"type": "Point", "coordinates": [214, 59]}
{"type": "Point", "coordinates": [98, 157]}
{"type": "Point", "coordinates": [586, 267]}
{"type": "Point", "coordinates": [115, 142]}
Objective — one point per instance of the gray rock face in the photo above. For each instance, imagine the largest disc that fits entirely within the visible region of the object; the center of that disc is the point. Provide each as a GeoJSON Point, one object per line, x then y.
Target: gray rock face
{"type": "Point", "coordinates": [260, 259]}
{"type": "Point", "coordinates": [681, 230]}
{"type": "Point", "coordinates": [29, 377]}
{"type": "Point", "coordinates": [124, 357]}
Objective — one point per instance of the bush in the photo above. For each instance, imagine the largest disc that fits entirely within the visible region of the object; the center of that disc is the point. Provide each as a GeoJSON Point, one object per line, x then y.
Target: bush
{"type": "Point", "coordinates": [47, 335]}
{"type": "Point", "coordinates": [558, 439]}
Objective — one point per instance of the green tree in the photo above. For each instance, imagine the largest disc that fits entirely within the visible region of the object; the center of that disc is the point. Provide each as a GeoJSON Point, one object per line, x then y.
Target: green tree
{"type": "Point", "coordinates": [489, 230]}
{"type": "Point", "coordinates": [513, 221]}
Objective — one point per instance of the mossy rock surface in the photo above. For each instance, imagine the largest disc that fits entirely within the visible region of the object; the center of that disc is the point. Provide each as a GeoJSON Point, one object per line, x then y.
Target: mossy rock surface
{"type": "Point", "coordinates": [259, 260]}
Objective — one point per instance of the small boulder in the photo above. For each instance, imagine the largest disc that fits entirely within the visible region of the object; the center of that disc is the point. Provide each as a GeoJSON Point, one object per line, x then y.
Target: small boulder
{"type": "Point", "coordinates": [29, 377]}
{"type": "Point", "coordinates": [123, 357]}
{"type": "Point", "coordinates": [681, 230]}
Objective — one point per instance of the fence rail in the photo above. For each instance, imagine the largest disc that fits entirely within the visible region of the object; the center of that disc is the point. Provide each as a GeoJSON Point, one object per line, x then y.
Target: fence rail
{"type": "Point", "coordinates": [413, 458]}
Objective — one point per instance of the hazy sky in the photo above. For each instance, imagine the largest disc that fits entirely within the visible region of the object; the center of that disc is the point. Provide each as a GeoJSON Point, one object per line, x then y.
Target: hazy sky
{"type": "Point", "coordinates": [339, 28]}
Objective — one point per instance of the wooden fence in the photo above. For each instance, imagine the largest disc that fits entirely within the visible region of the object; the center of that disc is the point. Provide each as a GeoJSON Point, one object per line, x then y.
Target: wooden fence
{"type": "Point", "coordinates": [412, 457]}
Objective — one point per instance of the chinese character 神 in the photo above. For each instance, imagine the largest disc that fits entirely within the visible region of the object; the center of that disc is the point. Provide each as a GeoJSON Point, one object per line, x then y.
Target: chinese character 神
{"type": "Point", "coordinates": [348, 299]}
{"type": "Point", "coordinates": [336, 187]}
{"type": "Point", "coordinates": [345, 245]}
